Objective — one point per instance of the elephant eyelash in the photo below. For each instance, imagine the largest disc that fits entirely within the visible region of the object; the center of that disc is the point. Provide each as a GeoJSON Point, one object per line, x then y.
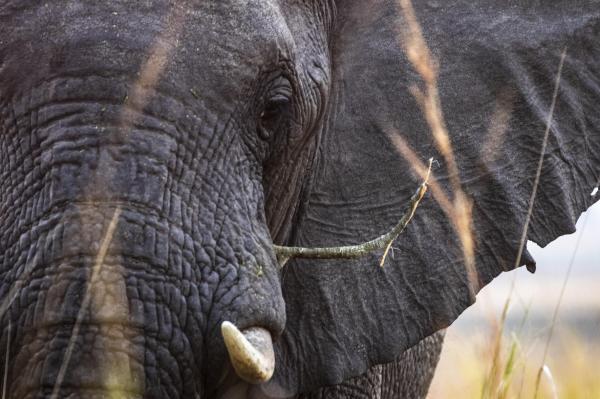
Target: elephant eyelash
{"type": "Point", "coordinates": [272, 116]}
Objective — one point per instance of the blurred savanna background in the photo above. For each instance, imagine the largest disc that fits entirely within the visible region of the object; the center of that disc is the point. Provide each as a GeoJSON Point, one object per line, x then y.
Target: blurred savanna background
{"type": "Point", "coordinates": [486, 357]}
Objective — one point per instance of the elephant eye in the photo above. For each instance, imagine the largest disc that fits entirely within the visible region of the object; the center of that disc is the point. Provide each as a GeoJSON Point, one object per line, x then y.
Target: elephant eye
{"type": "Point", "coordinates": [272, 116]}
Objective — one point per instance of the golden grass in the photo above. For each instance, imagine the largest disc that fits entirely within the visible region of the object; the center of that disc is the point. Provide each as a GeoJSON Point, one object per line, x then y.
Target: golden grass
{"type": "Point", "coordinates": [456, 204]}
{"type": "Point", "coordinates": [490, 366]}
{"type": "Point", "coordinates": [89, 292]}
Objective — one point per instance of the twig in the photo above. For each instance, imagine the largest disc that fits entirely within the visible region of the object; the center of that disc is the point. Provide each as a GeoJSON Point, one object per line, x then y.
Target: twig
{"type": "Point", "coordinates": [284, 254]}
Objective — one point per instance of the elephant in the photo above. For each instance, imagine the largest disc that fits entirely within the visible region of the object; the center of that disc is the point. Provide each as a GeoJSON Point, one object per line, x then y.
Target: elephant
{"type": "Point", "coordinates": [155, 155]}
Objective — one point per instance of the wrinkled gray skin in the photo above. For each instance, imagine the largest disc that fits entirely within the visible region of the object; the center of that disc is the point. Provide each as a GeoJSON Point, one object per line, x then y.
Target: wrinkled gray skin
{"type": "Point", "coordinates": [408, 377]}
{"type": "Point", "coordinates": [151, 152]}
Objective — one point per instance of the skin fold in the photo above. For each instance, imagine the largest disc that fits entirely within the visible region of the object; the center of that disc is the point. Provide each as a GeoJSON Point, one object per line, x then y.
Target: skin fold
{"type": "Point", "coordinates": [152, 152]}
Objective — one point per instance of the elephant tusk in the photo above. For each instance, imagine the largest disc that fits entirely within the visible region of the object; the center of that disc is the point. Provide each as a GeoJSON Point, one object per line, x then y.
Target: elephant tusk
{"type": "Point", "coordinates": [251, 352]}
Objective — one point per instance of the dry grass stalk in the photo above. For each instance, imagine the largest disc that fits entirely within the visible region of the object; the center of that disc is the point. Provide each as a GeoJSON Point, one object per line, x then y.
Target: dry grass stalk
{"type": "Point", "coordinates": [85, 303]}
{"type": "Point", "coordinates": [152, 69]}
{"type": "Point", "coordinates": [422, 171]}
{"type": "Point", "coordinates": [557, 307]}
{"type": "Point", "coordinates": [6, 359]}
{"type": "Point", "coordinates": [503, 109]}
{"type": "Point", "coordinates": [496, 384]}
{"type": "Point", "coordinates": [541, 159]}
{"type": "Point", "coordinates": [460, 210]}
{"type": "Point", "coordinates": [467, 360]}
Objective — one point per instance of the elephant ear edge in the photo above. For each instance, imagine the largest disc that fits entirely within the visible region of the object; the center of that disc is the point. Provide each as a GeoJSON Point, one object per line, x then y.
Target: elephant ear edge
{"type": "Point", "coordinates": [496, 88]}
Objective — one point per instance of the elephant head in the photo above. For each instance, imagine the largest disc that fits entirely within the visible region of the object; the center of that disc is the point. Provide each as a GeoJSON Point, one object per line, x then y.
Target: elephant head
{"type": "Point", "coordinates": [153, 152]}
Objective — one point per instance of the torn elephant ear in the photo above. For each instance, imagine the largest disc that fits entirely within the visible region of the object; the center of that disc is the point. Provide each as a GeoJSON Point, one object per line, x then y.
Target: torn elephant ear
{"type": "Point", "coordinates": [529, 262]}
{"type": "Point", "coordinates": [504, 108]}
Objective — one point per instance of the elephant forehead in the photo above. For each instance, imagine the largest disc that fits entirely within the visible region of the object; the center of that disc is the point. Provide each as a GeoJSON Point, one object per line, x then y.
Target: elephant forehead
{"type": "Point", "coordinates": [233, 41]}
{"type": "Point", "coordinates": [222, 43]}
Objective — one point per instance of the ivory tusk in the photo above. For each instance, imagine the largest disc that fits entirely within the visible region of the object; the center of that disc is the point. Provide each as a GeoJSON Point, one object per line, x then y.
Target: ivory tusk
{"type": "Point", "coordinates": [251, 352]}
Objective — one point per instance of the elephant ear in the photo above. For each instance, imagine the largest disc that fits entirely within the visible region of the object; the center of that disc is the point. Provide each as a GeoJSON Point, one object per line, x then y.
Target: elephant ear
{"type": "Point", "coordinates": [498, 67]}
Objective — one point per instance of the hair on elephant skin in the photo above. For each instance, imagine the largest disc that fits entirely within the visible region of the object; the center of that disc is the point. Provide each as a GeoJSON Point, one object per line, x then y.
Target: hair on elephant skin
{"type": "Point", "coordinates": [155, 154]}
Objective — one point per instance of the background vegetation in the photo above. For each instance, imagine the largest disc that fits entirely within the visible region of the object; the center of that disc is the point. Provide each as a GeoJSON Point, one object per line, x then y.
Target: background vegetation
{"type": "Point", "coordinates": [486, 358]}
